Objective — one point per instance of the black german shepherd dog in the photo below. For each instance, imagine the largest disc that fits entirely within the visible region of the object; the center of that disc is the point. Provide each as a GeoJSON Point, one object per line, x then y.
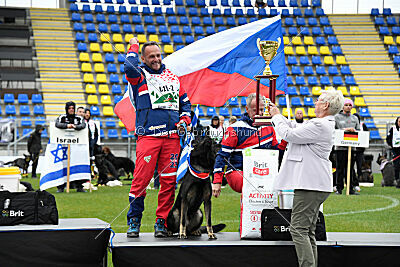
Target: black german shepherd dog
{"type": "Point", "coordinates": [22, 163]}
{"type": "Point", "coordinates": [185, 216]}
{"type": "Point", "coordinates": [120, 162]}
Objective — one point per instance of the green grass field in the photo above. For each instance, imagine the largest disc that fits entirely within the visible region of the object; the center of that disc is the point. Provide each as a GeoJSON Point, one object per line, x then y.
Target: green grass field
{"type": "Point", "coordinates": [376, 209]}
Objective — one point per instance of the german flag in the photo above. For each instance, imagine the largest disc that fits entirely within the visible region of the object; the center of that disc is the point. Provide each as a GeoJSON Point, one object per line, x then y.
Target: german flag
{"type": "Point", "coordinates": [350, 136]}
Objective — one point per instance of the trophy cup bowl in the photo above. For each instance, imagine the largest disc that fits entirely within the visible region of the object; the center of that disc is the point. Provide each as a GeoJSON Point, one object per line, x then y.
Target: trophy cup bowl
{"type": "Point", "coordinates": [268, 50]}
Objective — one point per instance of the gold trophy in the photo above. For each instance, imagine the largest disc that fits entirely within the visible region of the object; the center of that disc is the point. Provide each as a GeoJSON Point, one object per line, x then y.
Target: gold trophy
{"type": "Point", "coordinates": [268, 51]}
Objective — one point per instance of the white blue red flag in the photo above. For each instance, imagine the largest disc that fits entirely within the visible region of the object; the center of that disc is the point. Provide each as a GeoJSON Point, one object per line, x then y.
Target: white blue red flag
{"type": "Point", "coordinates": [220, 66]}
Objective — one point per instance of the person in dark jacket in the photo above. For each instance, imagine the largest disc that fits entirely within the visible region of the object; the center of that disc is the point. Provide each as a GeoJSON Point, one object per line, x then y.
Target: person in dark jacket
{"type": "Point", "coordinates": [71, 121]}
{"type": "Point", "coordinates": [93, 132]}
{"type": "Point", "coordinates": [393, 140]}
{"type": "Point", "coordinates": [35, 147]}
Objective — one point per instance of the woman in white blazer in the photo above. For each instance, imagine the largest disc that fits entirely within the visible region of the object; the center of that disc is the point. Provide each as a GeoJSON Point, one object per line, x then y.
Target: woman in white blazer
{"type": "Point", "coordinates": [306, 169]}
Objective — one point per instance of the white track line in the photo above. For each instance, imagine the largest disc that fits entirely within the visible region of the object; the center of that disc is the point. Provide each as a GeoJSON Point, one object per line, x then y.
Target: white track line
{"type": "Point", "coordinates": [395, 203]}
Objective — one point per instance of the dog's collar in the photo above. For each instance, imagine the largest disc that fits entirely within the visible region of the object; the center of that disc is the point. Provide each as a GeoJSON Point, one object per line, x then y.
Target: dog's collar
{"type": "Point", "coordinates": [195, 173]}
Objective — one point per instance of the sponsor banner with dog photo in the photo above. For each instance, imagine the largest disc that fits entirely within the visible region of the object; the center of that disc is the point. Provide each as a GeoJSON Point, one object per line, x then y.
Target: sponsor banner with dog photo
{"type": "Point", "coordinates": [260, 167]}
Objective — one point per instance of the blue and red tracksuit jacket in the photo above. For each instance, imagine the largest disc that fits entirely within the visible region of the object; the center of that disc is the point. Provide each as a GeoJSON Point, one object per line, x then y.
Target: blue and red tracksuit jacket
{"type": "Point", "coordinates": [239, 136]}
{"type": "Point", "coordinates": [152, 122]}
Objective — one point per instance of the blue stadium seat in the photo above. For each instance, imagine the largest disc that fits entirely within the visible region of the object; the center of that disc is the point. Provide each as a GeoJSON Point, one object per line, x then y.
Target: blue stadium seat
{"type": "Point", "coordinates": [102, 18]}
{"type": "Point", "coordinates": [364, 112]}
{"type": "Point", "coordinates": [124, 133]}
{"type": "Point", "coordinates": [224, 112]}
{"type": "Point", "coordinates": [112, 18]}
{"type": "Point", "coordinates": [9, 98]}
{"type": "Point", "coordinates": [316, 3]}
{"type": "Point", "coordinates": [230, 21]}
{"type": "Point", "coordinates": [316, 60]}
{"type": "Point", "coordinates": [349, 80]}
{"type": "Point", "coordinates": [289, 80]}
{"type": "Point", "coordinates": [320, 70]}
{"type": "Point", "coordinates": [289, 22]}
{"type": "Point", "coordinates": [250, 12]}
{"type": "Point", "coordinates": [273, 12]}
{"type": "Point", "coordinates": [172, 20]}
{"type": "Point", "coordinates": [82, 47]}
{"type": "Point", "coordinates": [283, 31]}
{"type": "Point", "coordinates": [221, 28]}
{"type": "Point", "coordinates": [211, 111]}
{"type": "Point", "coordinates": [163, 29]}
{"type": "Point", "coordinates": [324, 21]}
{"type": "Point", "coordinates": [319, 12]}
{"type": "Point", "coordinates": [281, 3]}
{"type": "Point", "coordinates": [325, 80]}
{"type": "Point", "coordinates": [110, 9]}
{"type": "Point", "coordinates": [115, 28]}
{"type": "Point", "coordinates": [109, 57]}
{"type": "Point", "coordinates": [136, 19]}
{"type": "Point", "coordinates": [139, 29]}
{"type": "Point", "coordinates": [110, 122]}
{"type": "Point", "coordinates": [270, 3]}
{"type": "Point", "coordinates": [383, 30]}
{"type": "Point", "coordinates": [387, 12]}
{"type": "Point", "coordinates": [94, 111]}
{"type": "Point", "coordinates": [127, 28]}
{"type": "Point", "coordinates": [296, 102]}
{"type": "Point", "coordinates": [38, 110]}
{"type": "Point", "coordinates": [116, 88]}
{"type": "Point", "coordinates": [262, 13]}
{"type": "Point", "coordinates": [227, 12]}
{"type": "Point", "coordinates": [236, 3]}
{"type": "Point", "coordinates": [293, 3]}
{"type": "Point", "coordinates": [196, 21]}
{"type": "Point", "coordinates": [73, 7]}
{"type": "Point", "coordinates": [112, 133]}
{"type": "Point", "coordinates": [379, 21]}
{"type": "Point", "coordinates": [111, 68]}
{"type": "Point", "coordinates": [292, 31]}
{"type": "Point", "coordinates": [304, 90]}
{"type": "Point", "coordinates": [210, 30]}
{"type": "Point", "coordinates": [117, 98]}
{"type": "Point", "coordinates": [224, 3]}
{"type": "Point", "coordinates": [369, 123]}
{"type": "Point", "coordinates": [308, 12]}
{"type": "Point", "coordinates": [157, 10]}
{"type": "Point", "coordinates": [336, 50]}
{"type": "Point", "coordinates": [26, 122]}
{"type": "Point", "coordinates": [291, 90]}
{"type": "Point", "coordinates": [160, 20]}
{"type": "Point", "coordinates": [282, 101]}
{"type": "Point", "coordinates": [308, 70]}
{"type": "Point", "coordinates": [198, 30]}
{"type": "Point", "coordinates": [179, 2]}
{"type": "Point", "coordinates": [169, 11]}
{"type": "Point", "coordinates": [296, 70]}
{"type": "Point", "coordinates": [183, 20]}
{"type": "Point", "coordinates": [328, 30]}
{"type": "Point", "coordinates": [374, 11]}
{"type": "Point", "coordinates": [239, 12]}
{"type": "Point", "coordinates": [98, 9]}
{"type": "Point", "coordinates": [236, 112]}
{"type": "Point", "coordinates": [242, 21]}
{"type": "Point", "coordinates": [300, 80]}
{"type": "Point", "coordinates": [332, 40]}
{"type": "Point", "coordinates": [175, 29]}
{"type": "Point", "coordinates": [103, 27]}
{"type": "Point", "coordinates": [114, 78]}
{"type": "Point", "coordinates": [285, 12]}
{"type": "Point", "coordinates": [243, 101]}
{"type": "Point", "coordinates": [80, 37]}
{"type": "Point", "coordinates": [207, 21]}
{"type": "Point", "coordinates": [253, 19]}
{"type": "Point", "coordinates": [92, 37]}
{"type": "Point", "coordinates": [304, 60]}
{"type": "Point", "coordinates": [316, 31]}
{"type": "Point", "coordinates": [304, 3]}
{"type": "Point", "coordinates": [312, 22]}
{"type": "Point", "coordinates": [308, 102]}
{"type": "Point", "coordinates": [396, 59]}
{"type": "Point", "coordinates": [78, 27]}
{"type": "Point", "coordinates": [305, 31]}
{"type": "Point", "coordinates": [216, 12]}
{"type": "Point", "coordinates": [297, 12]}
{"type": "Point", "coordinates": [186, 30]}
{"type": "Point", "coordinates": [233, 101]}
{"type": "Point", "coordinates": [204, 12]}
{"type": "Point", "coordinates": [177, 39]}
{"type": "Point", "coordinates": [391, 21]}
{"type": "Point", "coordinates": [148, 20]}
{"type": "Point", "coordinates": [24, 110]}
{"type": "Point", "coordinates": [90, 27]}
{"type": "Point", "coordinates": [374, 135]}
{"type": "Point", "coordinates": [10, 110]}
{"type": "Point", "coordinates": [146, 11]}
{"type": "Point", "coordinates": [345, 70]}
{"type": "Point", "coordinates": [193, 11]}
{"type": "Point", "coordinates": [165, 39]}
{"type": "Point", "coordinates": [26, 131]}
{"type": "Point", "coordinates": [292, 60]}
{"type": "Point", "coordinates": [393, 49]}
{"type": "Point", "coordinates": [75, 17]}
{"type": "Point", "coordinates": [396, 30]}
{"type": "Point", "coordinates": [201, 112]}
{"type": "Point", "coordinates": [337, 80]}
{"type": "Point", "coordinates": [23, 98]}
{"type": "Point", "coordinates": [151, 29]}
{"type": "Point", "coordinates": [189, 39]}
{"type": "Point", "coordinates": [122, 10]}
{"type": "Point", "coordinates": [332, 70]}
{"type": "Point", "coordinates": [312, 80]}
{"type": "Point", "coordinates": [320, 40]}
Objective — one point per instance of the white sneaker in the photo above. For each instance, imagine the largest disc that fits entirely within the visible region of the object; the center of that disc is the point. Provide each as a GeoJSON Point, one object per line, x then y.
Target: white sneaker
{"type": "Point", "coordinates": [334, 189]}
{"type": "Point", "coordinates": [357, 188]}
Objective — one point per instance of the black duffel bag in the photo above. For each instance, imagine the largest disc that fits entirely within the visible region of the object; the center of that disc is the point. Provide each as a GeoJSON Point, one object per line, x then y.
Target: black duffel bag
{"type": "Point", "coordinates": [274, 227]}
{"type": "Point", "coordinates": [37, 207]}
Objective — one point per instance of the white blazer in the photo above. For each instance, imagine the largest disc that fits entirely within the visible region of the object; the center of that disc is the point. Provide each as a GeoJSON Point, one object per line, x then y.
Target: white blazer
{"type": "Point", "coordinates": [306, 163]}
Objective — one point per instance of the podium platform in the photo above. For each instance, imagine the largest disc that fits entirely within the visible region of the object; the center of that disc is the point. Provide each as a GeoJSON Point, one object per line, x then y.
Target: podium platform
{"type": "Point", "coordinates": [70, 243]}
{"type": "Point", "coordinates": [341, 249]}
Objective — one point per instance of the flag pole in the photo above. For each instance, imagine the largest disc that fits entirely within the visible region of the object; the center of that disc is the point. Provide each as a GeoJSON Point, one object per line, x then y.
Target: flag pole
{"type": "Point", "coordinates": [348, 171]}
{"type": "Point", "coordinates": [68, 165]}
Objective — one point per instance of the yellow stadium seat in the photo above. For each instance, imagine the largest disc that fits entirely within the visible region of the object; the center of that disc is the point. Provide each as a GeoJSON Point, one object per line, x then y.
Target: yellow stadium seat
{"type": "Point", "coordinates": [302, 109]}
{"type": "Point", "coordinates": [98, 67]}
{"type": "Point", "coordinates": [288, 50]}
{"type": "Point", "coordinates": [285, 112]}
{"type": "Point", "coordinates": [359, 102]}
{"type": "Point", "coordinates": [107, 47]}
{"type": "Point", "coordinates": [92, 100]}
{"type": "Point", "coordinates": [142, 38]}
{"type": "Point", "coordinates": [108, 111]}
{"type": "Point", "coordinates": [94, 47]}
{"type": "Point", "coordinates": [316, 90]}
{"type": "Point", "coordinates": [140, 47]}
{"type": "Point", "coordinates": [153, 38]}
{"type": "Point", "coordinates": [104, 89]}
{"type": "Point", "coordinates": [129, 46]}
{"type": "Point", "coordinates": [97, 57]}
{"type": "Point", "coordinates": [101, 78]}
{"type": "Point", "coordinates": [324, 50]}
{"type": "Point", "coordinates": [353, 110]}
{"type": "Point", "coordinates": [84, 57]}
{"type": "Point", "coordinates": [168, 49]}
{"type": "Point", "coordinates": [354, 90]}
{"type": "Point", "coordinates": [311, 112]}
{"type": "Point", "coordinates": [86, 67]}
{"type": "Point", "coordinates": [328, 60]}
{"type": "Point", "coordinates": [90, 88]}
{"type": "Point", "coordinates": [312, 50]}
{"type": "Point", "coordinates": [128, 37]}
{"type": "Point", "coordinates": [120, 124]}
{"type": "Point", "coordinates": [308, 40]}
{"type": "Point", "coordinates": [300, 50]}
{"type": "Point", "coordinates": [88, 78]}
{"type": "Point", "coordinates": [286, 40]}
{"type": "Point", "coordinates": [105, 100]}
{"type": "Point", "coordinates": [120, 48]}
{"type": "Point", "coordinates": [117, 38]}
{"type": "Point", "coordinates": [343, 89]}
{"type": "Point", "coordinates": [296, 40]}
{"type": "Point", "coordinates": [388, 40]}
{"type": "Point", "coordinates": [341, 60]}
{"type": "Point", "coordinates": [329, 88]}
{"type": "Point", "coordinates": [398, 39]}
{"type": "Point", "coordinates": [105, 37]}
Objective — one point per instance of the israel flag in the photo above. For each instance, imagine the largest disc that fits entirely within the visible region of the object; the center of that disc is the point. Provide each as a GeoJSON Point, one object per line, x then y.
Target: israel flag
{"type": "Point", "coordinates": [183, 161]}
{"type": "Point", "coordinates": [55, 162]}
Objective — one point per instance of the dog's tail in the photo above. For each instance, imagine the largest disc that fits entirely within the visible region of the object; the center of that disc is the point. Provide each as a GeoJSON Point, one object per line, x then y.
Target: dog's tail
{"type": "Point", "coordinates": [8, 163]}
{"type": "Point", "coordinates": [216, 228]}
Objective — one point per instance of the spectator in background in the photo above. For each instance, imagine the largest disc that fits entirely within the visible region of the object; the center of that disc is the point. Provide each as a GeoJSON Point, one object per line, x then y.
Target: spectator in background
{"type": "Point", "coordinates": [221, 121]}
{"type": "Point", "coordinates": [214, 130]}
{"type": "Point", "coordinates": [93, 133]}
{"type": "Point", "coordinates": [359, 157]}
{"type": "Point", "coordinates": [393, 140]}
{"type": "Point", "coordinates": [35, 147]}
{"type": "Point", "coordinates": [80, 111]}
{"type": "Point", "coordinates": [232, 120]}
{"type": "Point", "coordinates": [299, 116]}
{"type": "Point", "coordinates": [260, 4]}
{"type": "Point", "coordinates": [347, 122]}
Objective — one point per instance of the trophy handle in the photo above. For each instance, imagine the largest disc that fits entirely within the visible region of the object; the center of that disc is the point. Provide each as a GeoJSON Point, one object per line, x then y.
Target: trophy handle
{"type": "Point", "coordinates": [258, 45]}
{"type": "Point", "coordinates": [279, 42]}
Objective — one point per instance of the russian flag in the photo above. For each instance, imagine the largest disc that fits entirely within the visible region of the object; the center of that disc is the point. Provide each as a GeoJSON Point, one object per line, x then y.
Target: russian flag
{"type": "Point", "coordinates": [125, 110]}
{"type": "Point", "coordinates": [223, 65]}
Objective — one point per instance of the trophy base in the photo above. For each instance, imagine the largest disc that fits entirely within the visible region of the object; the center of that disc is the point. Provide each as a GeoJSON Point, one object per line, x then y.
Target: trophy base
{"type": "Point", "coordinates": [262, 121]}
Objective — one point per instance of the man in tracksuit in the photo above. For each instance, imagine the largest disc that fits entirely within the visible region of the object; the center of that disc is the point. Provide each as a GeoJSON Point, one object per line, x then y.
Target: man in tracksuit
{"type": "Point", "coordinates": [162, 107]}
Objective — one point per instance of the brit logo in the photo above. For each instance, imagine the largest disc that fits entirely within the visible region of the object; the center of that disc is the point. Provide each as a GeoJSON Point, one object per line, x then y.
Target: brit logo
{"type": "Point", "coordinates": [147, 158]}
